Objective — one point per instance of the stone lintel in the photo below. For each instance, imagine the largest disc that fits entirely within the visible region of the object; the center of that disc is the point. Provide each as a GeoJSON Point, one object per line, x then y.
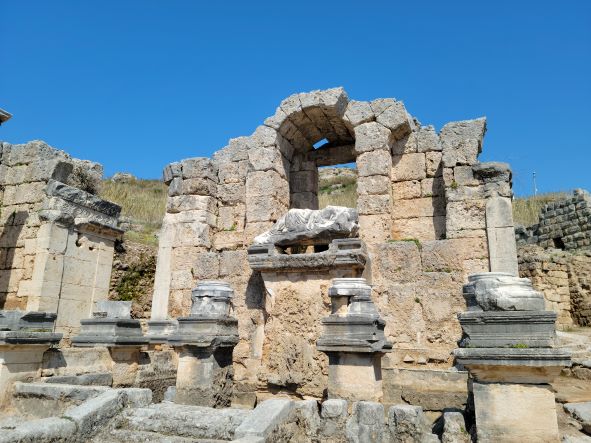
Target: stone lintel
{"type": "Point", "coordinates": [109, 332]}
{"type": "Point", "coordinates": [10, 339]}
{"type": "Point", "coordinates": [342, 253]}
{"type": "Point", "coordinates": [27, 320]}
{"type": "Point", "coordinates": [494, 329]}
{"type": "Point", "coordinates": [99, 229]}
{"type": "Point", "coordinates": [69, 206]}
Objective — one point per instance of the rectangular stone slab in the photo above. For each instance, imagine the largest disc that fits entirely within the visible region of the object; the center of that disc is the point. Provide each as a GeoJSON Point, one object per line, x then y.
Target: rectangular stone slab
{"type": "Point", "coordinates": [492, 329]}
{"type": "Point", "coordinates": [514, 413]}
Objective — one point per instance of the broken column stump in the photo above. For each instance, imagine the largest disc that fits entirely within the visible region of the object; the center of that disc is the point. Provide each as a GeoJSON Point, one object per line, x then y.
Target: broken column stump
{"type": "Point", "coordinates": [507, 349]}
{"type": "Point", "coordinates": [204, 342]}
{"type": "Point", "coordinates": [354, 341]}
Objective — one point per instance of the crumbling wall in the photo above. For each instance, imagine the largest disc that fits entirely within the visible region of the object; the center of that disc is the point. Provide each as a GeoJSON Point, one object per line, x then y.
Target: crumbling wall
{"type": "Point", "coordinates": [564, 278]}
{"type": "Point", "coordinates": [563, 224]}
{"type": "Point", "coordinates": [56, 240]}
{"type": "Point", "coordinates": [429, 214]}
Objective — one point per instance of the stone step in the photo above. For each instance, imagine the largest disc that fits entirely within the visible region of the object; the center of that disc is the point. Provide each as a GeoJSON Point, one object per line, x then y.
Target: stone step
{"type": "Point", "coordinates": [195, 422]}
{"type": "Point", "coordinates": [135, 436]}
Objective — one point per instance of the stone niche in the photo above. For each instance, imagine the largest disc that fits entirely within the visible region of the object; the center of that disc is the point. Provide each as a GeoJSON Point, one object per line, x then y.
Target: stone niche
{"type": "Point", "coordinates": [56, 236]}
{"type": "Point", "coordinates": [429, 215]}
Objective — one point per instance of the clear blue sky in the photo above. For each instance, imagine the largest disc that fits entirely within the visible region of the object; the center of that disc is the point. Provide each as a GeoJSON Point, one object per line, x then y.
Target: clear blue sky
{"type": "Point", "coordinates": [138, 84]}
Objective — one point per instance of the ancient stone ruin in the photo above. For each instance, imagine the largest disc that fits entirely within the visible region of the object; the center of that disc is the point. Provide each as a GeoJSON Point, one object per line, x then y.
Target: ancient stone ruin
{"type": "Point", "coordinates": [400, 320]}
{"type": "Point", "coordinates": [563, 224]}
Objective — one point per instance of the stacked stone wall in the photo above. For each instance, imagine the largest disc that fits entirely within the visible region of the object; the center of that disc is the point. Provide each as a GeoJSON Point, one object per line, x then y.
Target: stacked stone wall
{"type": "Point", "coordinates": [56, 240]}
{"type": "Point", "coordinates": [429, 214]}
{"type": "Point", "coordinates": [563, 224]}
{"type": "Point", "coordinates": [564, 279]}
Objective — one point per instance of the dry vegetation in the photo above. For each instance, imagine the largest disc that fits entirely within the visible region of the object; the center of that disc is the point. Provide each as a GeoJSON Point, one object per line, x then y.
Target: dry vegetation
{"type": "Point", "coordinates": [527, 209]}
{"type": "Point", "coordinates": [143, 203]}
{"type": "Point", "coordinates": [338, 191]}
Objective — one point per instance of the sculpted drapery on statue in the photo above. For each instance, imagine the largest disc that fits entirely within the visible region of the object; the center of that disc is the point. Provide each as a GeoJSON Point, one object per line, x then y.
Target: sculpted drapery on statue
{"type": "Point", "coordinates": [308, 226]}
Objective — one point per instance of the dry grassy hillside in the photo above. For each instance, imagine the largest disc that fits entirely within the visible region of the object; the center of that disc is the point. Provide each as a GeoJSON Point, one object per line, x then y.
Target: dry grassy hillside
{"type": "Point", "coordinates": [143, 203]}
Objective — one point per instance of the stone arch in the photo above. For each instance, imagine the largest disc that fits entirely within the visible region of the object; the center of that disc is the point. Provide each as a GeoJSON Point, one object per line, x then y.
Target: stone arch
{"type": "Point", "coordinates": [284, 164]}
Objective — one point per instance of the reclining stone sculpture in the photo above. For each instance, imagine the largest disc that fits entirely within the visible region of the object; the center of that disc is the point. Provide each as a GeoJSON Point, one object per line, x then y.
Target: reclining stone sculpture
{"type": "Point", "coordinates": [309, 226]}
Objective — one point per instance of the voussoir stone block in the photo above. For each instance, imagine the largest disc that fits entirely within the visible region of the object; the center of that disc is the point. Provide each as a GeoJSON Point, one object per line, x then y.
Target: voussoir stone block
{"type": "Point", "coordinates": [358, 112]}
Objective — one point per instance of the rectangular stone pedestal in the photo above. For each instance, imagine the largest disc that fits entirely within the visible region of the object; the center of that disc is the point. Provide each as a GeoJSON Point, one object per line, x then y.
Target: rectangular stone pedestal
{"type": "Point", "coordinates": [514, 413]}
{"type": "Point", "coordinates": [204, 378]}
{"type": "Point", "coordinates": [355, 376]}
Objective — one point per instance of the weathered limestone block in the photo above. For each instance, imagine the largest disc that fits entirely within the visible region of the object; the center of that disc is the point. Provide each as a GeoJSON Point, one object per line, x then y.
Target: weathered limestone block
{"type": "Point", "coordinates": [199, 167]}
{"type": "Point", "coordinates": [454, 428]}
{"type": "Point", "coordinates": [491, 172]}
{"type": "Point", "coordinates": [373, 185]}
{"type": "Point", "coordinates": [358, 112]}
{"type": "Point", "coordinates": [198, 186]}
{"type": "Point", "coordinates": [418, 207]}
{"type": "Point", "coordinates": [268, 158]}
{"type": "Point", "coordinates": [427, 139]}
{"type": "Point", "coordinates": [461, 142]}
{"type": "Point", "coordinates": [171, 171]}
{"type": "Point", "coordinates": [466, 215]}
{"type": "Point", "coordinates": [304, 181]}
{"type": "Point", "coordinates": [407, 423]}
{"type": "Point", "coordinates": [371, 137]}
{"type": "Point", "coordinates": [183, 203]}
{"type": "Point", "coordinates": [375, 229]}
{"type": "Point", "coordinates": [408, 167]}
{"type": "Point", "coordinates": [406, 189]}
{"type": "Point", "coordinates": [514, 413]}
{"type": "Point", "coordinates": [334, 416]}
{"type": "Point", "coordinates": [406, 145]}
{"type": "Point", "coordinates": [433, 164]}
{"type": "Point", "coordinates": [395, 118]}
{"type": "Point", "coordinates": [374, 204]}
{"type": "Point", "coordinates": [432, 390]}
{"type": "Point", "coordinates": [366, 423]}
{"type": "Point", "coordinates": [231, 193]}
{"type": "Point", "coordinates": [374, 163]}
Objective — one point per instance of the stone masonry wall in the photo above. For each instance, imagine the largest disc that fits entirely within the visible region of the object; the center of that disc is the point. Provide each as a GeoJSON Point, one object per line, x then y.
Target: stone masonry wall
{"type": "Point", "coordinates": [563, 224]}
{"type": "Point", "coordinates": [565, 280]}
{"type": "Point", "coordinates": [56, 239]}
{"type": "Point", "coordinates": [429, 214]}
